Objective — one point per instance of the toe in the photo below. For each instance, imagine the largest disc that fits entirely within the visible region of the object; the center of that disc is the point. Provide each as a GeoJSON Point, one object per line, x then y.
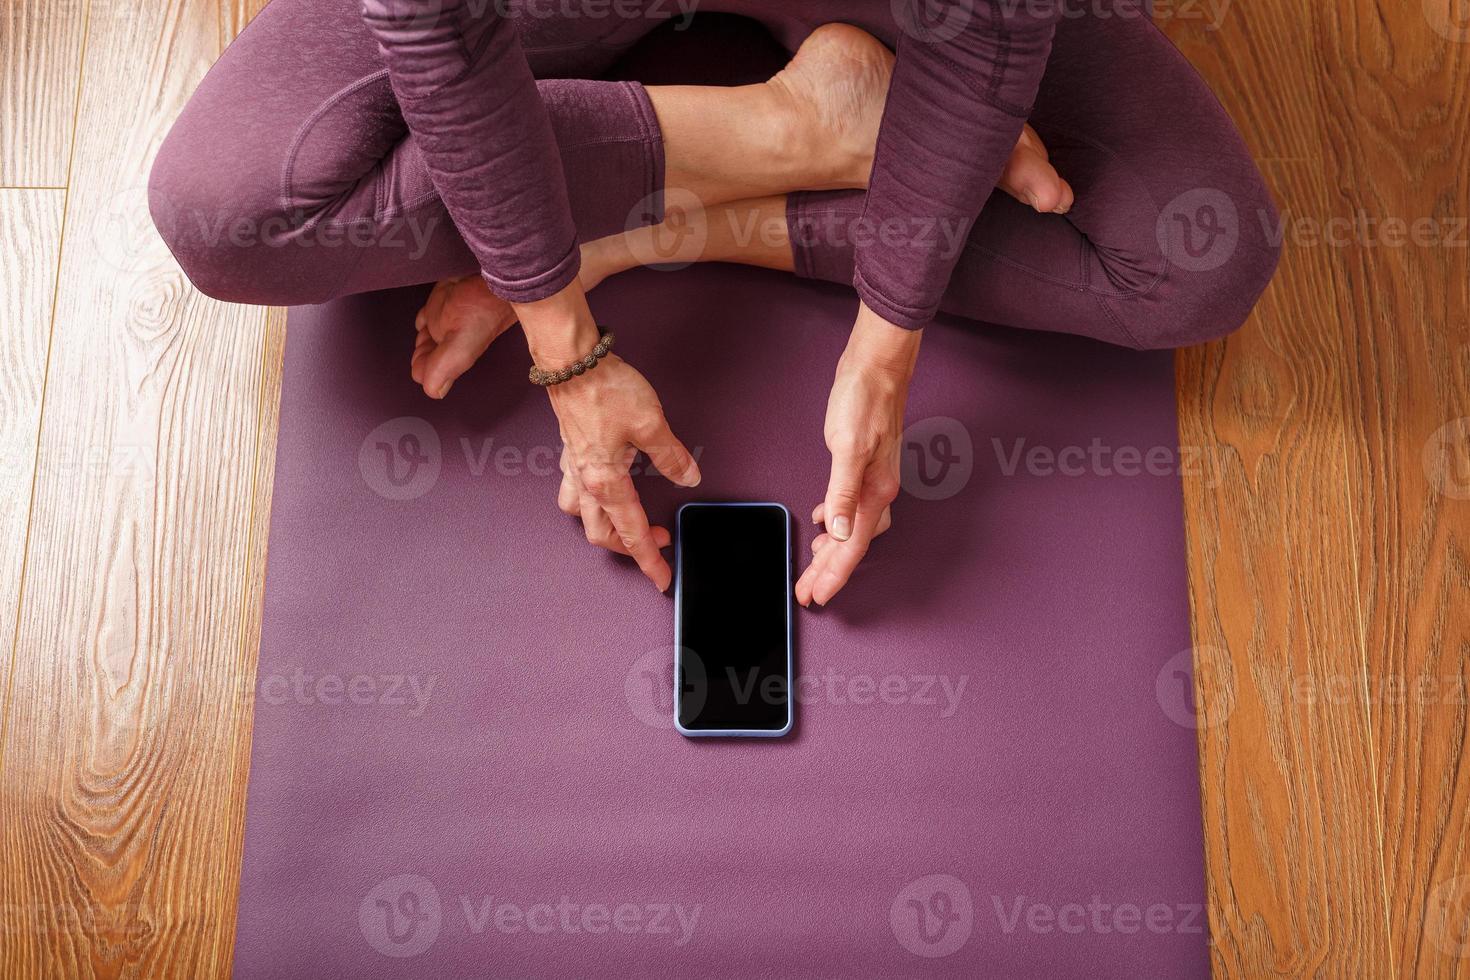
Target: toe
{"type": "Point", "coordinates": [1031, 179]}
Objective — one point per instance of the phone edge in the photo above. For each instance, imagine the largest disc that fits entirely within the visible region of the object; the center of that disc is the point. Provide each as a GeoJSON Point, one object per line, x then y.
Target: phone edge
{"type": "Point", "coordinates": [785, 729]}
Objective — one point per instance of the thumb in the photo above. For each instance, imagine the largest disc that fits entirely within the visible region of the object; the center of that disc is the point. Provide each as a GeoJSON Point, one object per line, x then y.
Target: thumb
{"type": "Point", "coordinates": [670, 457]}
{"type": "Point", "coordinates": [842, 495]}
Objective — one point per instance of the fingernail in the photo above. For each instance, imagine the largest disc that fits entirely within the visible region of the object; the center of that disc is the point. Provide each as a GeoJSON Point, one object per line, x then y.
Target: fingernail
{"type": "Point", "coordinates": [444, 389]}
{"type": "Point", "coordinates": [841, 527]}
{"type": "Point", "coordinates": [1031, 200]}
{"type": "Point", "coordinates": [1060, 210]}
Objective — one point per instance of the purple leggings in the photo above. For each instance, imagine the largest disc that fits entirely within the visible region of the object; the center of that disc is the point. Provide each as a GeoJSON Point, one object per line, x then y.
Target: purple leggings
{"type": "Point", "coordinates": [291, 178]}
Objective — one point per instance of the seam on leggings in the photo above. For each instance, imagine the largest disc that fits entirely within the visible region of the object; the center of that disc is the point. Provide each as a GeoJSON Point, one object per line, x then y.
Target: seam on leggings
{"type": "Point", "coordinates": [1086, 285]}
{"type": "Point", "coordinates": [572, 256]}
{"type": "Point", "coordinates": [1002, 59]}
{"type": "Point", "coordinates": [302, 131]}
{"type": "Point", "coordinates": [984, 91]}
{"type": "Point", "coordinates": [799, 204]}
{"type": "Point", "coordinates": [1165, 266]}
{"type": "Point", "coordinates": [911, 312]}
{"type": "Point", "coordinates": [801, 264]}
{"type": "Point", "coordinates": [1117, 321]}
{"type": "Point", "coordinates": [471, 56]}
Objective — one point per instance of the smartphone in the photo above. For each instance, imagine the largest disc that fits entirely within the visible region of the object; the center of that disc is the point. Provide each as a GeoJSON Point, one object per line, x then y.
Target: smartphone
{"type": "Point", "coordinates": [732, 620]}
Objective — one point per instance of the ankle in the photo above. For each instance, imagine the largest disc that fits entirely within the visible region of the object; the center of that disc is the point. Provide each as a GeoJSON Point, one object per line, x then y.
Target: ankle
{"type": "Point", "coordinates": [796, 148]}
{"type": "Point", "coordinates": [805, 149]}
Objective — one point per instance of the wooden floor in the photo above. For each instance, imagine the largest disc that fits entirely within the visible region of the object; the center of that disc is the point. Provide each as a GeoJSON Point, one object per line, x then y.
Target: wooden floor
{"type": "Point", "coordinates": [1329, 525]}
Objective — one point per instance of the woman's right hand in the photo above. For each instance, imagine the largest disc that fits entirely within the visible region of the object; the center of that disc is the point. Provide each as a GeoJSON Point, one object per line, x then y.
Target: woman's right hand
{"type": "Point", "coordinates": [607, 415]}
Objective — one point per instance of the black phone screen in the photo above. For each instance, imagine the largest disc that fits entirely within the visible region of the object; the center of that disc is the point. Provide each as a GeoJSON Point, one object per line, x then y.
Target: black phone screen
{"type": "Point", "coordinates": [732, 624]}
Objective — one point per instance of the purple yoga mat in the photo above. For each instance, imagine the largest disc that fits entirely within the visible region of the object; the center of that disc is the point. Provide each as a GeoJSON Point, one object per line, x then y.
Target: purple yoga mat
{"type": "Point", "coordinates": [464, 764]}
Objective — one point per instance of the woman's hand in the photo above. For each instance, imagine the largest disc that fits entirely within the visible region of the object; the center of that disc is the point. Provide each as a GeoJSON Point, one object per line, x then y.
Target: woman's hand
{"type": "Point", "coordinates": [606, 415]}
{"type": "Point", "coordinates": [864, 430]}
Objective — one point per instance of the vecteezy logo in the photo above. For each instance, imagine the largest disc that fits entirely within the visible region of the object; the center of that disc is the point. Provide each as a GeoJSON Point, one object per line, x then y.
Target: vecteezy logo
{"type": "Point", "coordinates": [932, 21]}
{"type": "Point", "coordinates": [932, 916]}
{"type": "Point", "coordinates": [938, 458]}
{"type": "Point", "coordinates": [122, 231]}
{"type": "Point", "coordinates": [1447, 459]}
{"type": "Point", "coordinates": [648, 686]}
{"type": "Point", "coordinates": [401, 916]}
{"type": "Point", "coordinates": [400, 459]}
{"type": "Point", "coordinates": [407, 20]}
{"type": "Point", "coordinates": [1450, 19]}
{"type": "Point", "coordinates": [1447, 916]}
{"type": "Point", "coordinates": [1199, 229]}
{"type": "Point", "coordinates": [675, 242]}
{"type": "Point", "coordinates": [1175, 687]}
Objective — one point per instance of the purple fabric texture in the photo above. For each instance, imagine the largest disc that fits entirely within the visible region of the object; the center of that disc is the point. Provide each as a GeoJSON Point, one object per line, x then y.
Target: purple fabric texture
{"type": "Point", "coordinates": [304, 169]}
{"type": "Point", "coordinates": [961, 90]}
{"type": "Point", "coordinates": [467, 93]}
{"type": "Point", "coordinates": [463, 760]}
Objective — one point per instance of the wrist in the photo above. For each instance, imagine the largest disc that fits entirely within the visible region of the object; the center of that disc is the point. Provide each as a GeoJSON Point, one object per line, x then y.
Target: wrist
{"type": "Point", "coordinates": [559, 329]}
{"type": "Point", "coordinates": [877, 345]}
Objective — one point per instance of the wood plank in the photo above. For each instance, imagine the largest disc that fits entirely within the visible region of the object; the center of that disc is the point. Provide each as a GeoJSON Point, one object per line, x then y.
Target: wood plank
{"type": "Point", "coordinates": [1291, 800]}
{"type": "Point", "coordinates": [235, 15]}
{"type": "Point", "coordinates": [1405, 84]}
{"type": "Point", "coordinates": [40, 57]}
{"type": "Point", "coordinates": [127, 733]}
{"type": "Point", "coordinates": [30, 248]}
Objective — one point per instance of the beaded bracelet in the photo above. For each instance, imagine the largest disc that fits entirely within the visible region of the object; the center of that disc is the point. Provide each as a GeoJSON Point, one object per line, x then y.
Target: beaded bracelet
{"type": "Point", "coordinates": [548, 378]}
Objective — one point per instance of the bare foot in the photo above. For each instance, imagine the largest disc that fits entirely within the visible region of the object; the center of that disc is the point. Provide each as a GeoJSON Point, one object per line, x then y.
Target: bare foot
{"type": "Point", "coordinates": [1030, 178]}
{"type": "Point", "coordinates": [835, 88]}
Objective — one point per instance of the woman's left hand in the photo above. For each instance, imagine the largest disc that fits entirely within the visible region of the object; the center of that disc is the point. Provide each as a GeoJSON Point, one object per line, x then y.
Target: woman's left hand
{"type": "Point", "coordinates": [864, 430]}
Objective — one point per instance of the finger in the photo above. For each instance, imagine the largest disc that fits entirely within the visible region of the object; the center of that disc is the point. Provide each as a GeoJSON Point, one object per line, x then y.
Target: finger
{"type": "Point", "coordinates": [809, 576]}
{"type": "Point", "coordinates": [605, 536]}
{"type": "Point", "coordinates": [884, 522]}
{"type": "Point", "coordinates": [836, 562]}
{"type": "Point", "coordinates": [841, 504]}
{"type": "Point", "coordinates": [819, 542]}
{"type": "Point", "coordinates": [596, 524]}
{"type": "Point", "coordinates": [618, 497]}
{"type": "Point", "coordinates": [433, 311]}
{"type": "Point", "coordinates": [421, 319]}
{"type": "Point", "coordinates": [422, 344]}
{"type": "Point", "coordinates": [833, 568]}
{"type": "Point", "coordinates": [1030, 178]}
{"type": "Point", "coordinates": [451, 358]}
{"type": "Point", "coordinates": [670, 457]}
{"type": "Point", "coordinates": [568, 496]}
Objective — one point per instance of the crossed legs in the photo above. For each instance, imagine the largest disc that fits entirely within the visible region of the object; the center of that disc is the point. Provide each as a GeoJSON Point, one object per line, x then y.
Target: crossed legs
{"type": "Point", "coordinates": [290, 178]}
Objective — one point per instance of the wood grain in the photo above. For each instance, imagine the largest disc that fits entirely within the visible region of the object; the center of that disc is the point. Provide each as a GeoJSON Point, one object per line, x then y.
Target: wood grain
{"type": "Point", "coordinates": [40, 55]}
{"type": "Point", "coordinates": [1329, 531]}
{"type": "Point", "coordinates": [1326, 569]}
{"type": "Point", "coordinates": [1407, 88]}
{"type": "Point", "coordinates": [127, 726]}
{"type": "Point", "coordinates": [30, 247]}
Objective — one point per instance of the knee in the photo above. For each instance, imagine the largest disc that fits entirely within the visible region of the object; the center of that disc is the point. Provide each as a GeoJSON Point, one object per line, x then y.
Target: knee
{"type": "Point", "coordinates": [225, 226]}
{"type": "Point", "coordinates": [1209, 284]}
